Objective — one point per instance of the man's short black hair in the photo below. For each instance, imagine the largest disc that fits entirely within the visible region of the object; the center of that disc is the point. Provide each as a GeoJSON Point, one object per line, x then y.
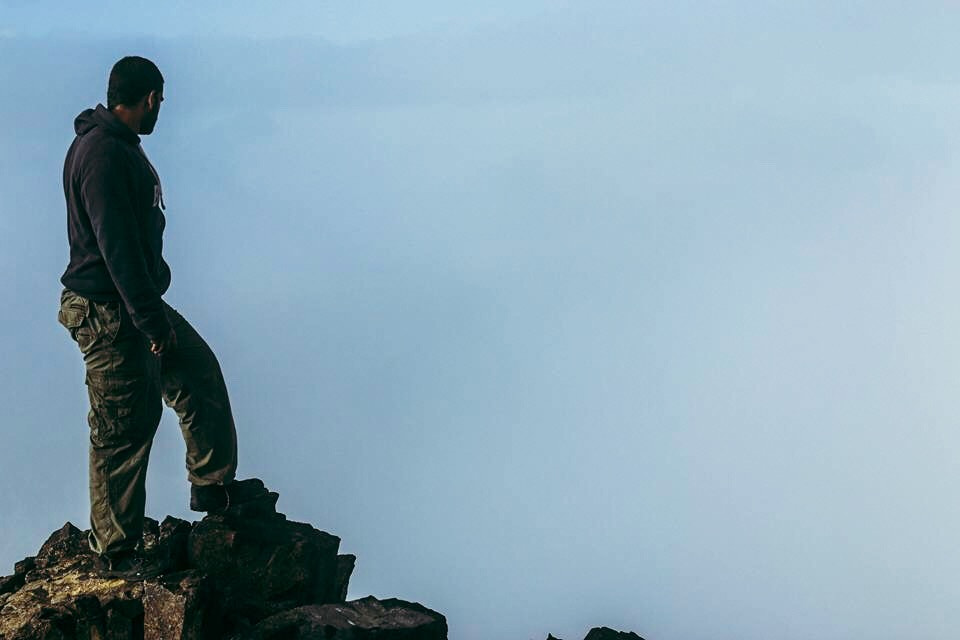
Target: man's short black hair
{"type": "Point", "coordinates": [132, 78]}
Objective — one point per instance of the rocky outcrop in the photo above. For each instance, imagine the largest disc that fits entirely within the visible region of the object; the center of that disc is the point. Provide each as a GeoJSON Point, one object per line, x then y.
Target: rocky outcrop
{"type": "Point", "coordinates": [605, 633]}
{"type": "Point", "coordinates": [247, 574]}
{"type": "Point", "coordinates": [364, 618]}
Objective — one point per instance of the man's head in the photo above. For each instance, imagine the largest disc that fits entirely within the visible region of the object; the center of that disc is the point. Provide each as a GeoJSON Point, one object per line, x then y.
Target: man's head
{"type": "Point", "coordinates": [134, 93]}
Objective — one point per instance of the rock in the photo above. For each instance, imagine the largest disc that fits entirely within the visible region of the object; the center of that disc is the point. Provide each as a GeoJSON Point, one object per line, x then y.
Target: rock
{"type": "Point", "coordinates": [124, 619]}
{"type": "Point", "coordinates": [25, 566]}
{"type": "Point", "coordinates": [69, 603]}
{"type": "Point", "coordinates": [166, 544]}
{"type": "Point", "coordinates": [264, 565]}
{"type": "Point", "coordinates": [355, 620]}
{"type": "Point", "coordinates": [550, 636]}
{"type": "Point", "coordinates": [179, 607]}
{"type": "Point", "coordinates": [9, 584]}
{"type": "Point", "coordinates": [66, 547]}
{"type": "Point", "coordinates": [345, 566]}
{"type": "Point", "coordinates": [606, 633]}
{"type": "Point", "coordinates": [248, 572]}
{"type": "Point", "coordinates": [265, 506]}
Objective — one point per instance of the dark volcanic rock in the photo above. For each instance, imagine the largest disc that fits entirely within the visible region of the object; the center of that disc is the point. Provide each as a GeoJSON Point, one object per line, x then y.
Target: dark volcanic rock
{"type": "Point", "coordinates": [355, 620]}
{"type": "Point", "coordinates": [65, 548]}
{"type": "Point", "coordinates": [246, 571]}
{"type": "Point", "coordinates": [9, 584]}
{"type": "Point", "coordinates": [25, 566]}
{"type": "Point", "coordinates": [263, 506]}
{"type": "Point", "coordinates": [606, 633]}
{"type": "Point", "coordinates": [65, 602]}
{"type": "Point", "coordinates": [345, 566]}
{"type": "Point", "coordinates": [180, 606]}
{"type": "Point", "coordinates": [264, 565]}
{"type": "Point", "coordinates": [166, 543]}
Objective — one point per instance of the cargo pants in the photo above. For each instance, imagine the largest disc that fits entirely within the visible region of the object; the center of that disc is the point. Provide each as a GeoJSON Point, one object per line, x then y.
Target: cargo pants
{"type": "Point", "coordinates": [125, 383]}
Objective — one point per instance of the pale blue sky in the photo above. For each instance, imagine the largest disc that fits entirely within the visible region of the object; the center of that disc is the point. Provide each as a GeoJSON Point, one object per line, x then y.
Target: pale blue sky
{"type": "Point", "coordinates": [559, 314]}
{"type": "Point", "coordinates": [340, 22]}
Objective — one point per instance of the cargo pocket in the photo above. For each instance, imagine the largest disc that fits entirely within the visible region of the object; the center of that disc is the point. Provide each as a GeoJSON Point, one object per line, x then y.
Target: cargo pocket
{"type": "Point", "coordinates": [89, 322]}
{"type": "Point", "coordinates": [105, 320]}
{"type": "Point", "coordinates": [74, 311]}
{"type": "Point", "coordinates": [117, 408]}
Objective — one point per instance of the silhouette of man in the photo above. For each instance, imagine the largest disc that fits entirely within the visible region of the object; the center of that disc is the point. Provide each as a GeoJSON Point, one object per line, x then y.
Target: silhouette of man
{"type": "Point", "coordinates": [136, 348]}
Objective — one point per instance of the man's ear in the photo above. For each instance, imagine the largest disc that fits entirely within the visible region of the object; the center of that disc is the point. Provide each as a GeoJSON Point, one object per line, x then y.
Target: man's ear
{"type": "Point", "coordinates": [150, 100]}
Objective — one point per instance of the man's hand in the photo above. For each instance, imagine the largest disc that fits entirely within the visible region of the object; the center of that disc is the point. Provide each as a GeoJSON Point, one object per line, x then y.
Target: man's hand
{"type": "Point", "coordinates": [167, 345]}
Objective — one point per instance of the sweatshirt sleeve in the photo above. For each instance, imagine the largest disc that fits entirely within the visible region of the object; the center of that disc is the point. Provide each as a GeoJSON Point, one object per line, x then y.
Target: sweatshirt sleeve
{"type": "Point", "coordinates": [106, 189]}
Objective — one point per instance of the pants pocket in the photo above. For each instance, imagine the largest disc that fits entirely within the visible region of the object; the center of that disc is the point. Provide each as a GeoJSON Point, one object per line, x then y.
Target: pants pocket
{"type": "Point", "coordinates": [105, 320]}
{"type": "Point", "coordinates": [119, 409]}
{"type": "Point", "coordinates": [73, 313]}
{"type": "Point", "coordinates": [89, 322]}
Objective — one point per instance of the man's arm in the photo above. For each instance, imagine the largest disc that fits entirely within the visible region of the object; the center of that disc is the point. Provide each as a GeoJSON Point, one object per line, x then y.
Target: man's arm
{"type": "Point", "coordinates": [105, 189]}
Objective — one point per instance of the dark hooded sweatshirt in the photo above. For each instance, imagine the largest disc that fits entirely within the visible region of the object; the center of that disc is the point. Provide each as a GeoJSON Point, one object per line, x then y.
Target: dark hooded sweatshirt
{"type": "Point", "coordinates": [115, 221]}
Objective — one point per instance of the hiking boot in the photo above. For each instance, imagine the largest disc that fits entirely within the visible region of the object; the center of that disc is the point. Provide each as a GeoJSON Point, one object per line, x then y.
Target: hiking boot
{"type": "Point", "coordinates": [217, 498]}
{"type": "Point", "coordinates": [129, 565]}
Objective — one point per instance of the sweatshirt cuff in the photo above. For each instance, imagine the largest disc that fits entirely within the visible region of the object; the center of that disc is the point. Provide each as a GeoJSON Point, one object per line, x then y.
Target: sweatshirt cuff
{"type": "Point", "coordinates": [156, 329]}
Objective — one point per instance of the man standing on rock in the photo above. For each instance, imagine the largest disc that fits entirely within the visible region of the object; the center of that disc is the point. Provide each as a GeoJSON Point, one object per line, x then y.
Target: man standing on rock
{"type": "Point", "coordinates": [136, 348]}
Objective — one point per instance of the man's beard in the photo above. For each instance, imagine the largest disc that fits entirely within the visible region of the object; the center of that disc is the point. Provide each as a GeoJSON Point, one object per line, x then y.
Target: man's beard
{"type": "Point", "coordinates": [149, 122]}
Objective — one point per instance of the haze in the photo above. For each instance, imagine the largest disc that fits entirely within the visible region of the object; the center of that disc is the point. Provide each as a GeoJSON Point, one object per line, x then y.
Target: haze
{"type": "Point", "coordinates": [559, 314]}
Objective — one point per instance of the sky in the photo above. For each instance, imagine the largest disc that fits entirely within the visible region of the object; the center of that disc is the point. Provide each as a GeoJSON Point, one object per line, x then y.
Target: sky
{"type": "Point", "coordinates": [559, 314]}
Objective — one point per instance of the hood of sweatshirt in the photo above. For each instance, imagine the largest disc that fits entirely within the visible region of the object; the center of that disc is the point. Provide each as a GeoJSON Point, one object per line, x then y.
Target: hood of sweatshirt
{"type": "Point", "coordinates": [101, 117]}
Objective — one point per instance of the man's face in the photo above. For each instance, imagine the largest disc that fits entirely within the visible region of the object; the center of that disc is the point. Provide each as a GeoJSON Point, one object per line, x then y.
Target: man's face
{"type": "Point", "coordinates": [150, 115]}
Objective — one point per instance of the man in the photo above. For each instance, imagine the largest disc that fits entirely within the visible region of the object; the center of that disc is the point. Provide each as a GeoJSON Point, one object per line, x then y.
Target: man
{"type": "Point", "coordinates": [136, 347]}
